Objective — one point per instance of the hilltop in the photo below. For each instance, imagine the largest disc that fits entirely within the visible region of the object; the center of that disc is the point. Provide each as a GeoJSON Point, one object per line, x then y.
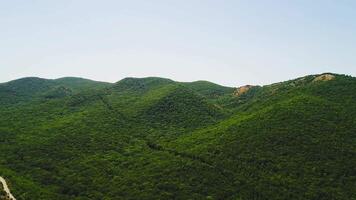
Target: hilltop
{"type": "Point", "coordinates": [155, 138]}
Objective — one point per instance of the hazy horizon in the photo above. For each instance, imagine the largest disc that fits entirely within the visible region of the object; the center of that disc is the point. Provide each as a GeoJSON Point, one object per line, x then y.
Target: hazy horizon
{"type": "Point", "coordinates": [230, 43]}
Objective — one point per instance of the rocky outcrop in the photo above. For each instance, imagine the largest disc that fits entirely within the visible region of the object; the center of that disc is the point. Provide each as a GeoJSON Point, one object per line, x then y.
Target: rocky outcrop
{"type": "Point", "coordinates": [324, 77]}
{"type": "Point", "coordinates": [242, 90]}
{"type": "Point", "coordinates": [5, 193]}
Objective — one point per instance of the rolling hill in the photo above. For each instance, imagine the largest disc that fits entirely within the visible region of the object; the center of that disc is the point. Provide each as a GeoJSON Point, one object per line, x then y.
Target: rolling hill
{"type": "Point", "coordinates": [155, 138]}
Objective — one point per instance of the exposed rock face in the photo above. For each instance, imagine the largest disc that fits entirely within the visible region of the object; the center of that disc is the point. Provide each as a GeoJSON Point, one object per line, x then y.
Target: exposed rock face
{"type": "Point", "coordinates": [5, 193]}
{"type": "Point", "coordinates": [324, 77]}
{"type": "Point", "coordinates": [242, 90]}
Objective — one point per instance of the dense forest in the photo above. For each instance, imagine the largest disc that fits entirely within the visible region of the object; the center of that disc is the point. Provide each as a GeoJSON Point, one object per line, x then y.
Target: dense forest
{"type": "Point", "coordinates": [155, 138]}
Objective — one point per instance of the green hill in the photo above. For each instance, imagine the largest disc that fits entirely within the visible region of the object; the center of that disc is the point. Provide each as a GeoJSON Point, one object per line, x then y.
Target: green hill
{"type": "Point", "coordinates": [33, 88]}
{"type": "Point", "coordinates": [154, 138]}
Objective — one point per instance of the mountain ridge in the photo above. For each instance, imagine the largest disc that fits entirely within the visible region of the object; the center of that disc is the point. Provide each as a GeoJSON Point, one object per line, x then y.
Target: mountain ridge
{"type": "Point", "coordinates": [74, 78]}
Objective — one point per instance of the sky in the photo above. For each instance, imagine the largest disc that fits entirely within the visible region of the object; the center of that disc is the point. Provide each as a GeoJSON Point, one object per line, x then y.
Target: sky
{"type": "Point", "coordinates": [229, 42]}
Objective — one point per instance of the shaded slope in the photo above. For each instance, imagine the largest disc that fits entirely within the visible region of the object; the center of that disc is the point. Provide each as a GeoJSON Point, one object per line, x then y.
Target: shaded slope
{"type": "Point", "coordinates": [141, 84]}
{"type": "Point", "coordinates": [208, 89]}
{"type": "Point", "coordinates": [79, 84]}
{"type": "Point", "coordinates": [182, 108]}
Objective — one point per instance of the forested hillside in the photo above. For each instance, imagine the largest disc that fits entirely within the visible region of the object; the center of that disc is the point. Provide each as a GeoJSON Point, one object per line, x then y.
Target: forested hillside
{"type": "Point", "coordinates": [154, 138]}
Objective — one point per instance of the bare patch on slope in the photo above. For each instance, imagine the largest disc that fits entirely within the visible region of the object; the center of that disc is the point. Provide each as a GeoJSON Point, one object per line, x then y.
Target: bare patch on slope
{"type": "Point", "coordinates": [324, 77]}
{"type": "Point", "coordinates": [242, 90]}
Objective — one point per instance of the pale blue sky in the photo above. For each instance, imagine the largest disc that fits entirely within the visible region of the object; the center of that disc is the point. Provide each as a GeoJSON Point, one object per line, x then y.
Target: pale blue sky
{"type": "Point", "coordinates": [230, 42]}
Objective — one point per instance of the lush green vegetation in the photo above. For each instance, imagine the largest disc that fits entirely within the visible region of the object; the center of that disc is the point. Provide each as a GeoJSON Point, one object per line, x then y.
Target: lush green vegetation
{"type": "Point", "coordinates": [155, 138]}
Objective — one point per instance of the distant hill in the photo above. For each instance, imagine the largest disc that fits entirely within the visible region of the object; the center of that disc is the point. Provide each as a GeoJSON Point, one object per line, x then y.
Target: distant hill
{"type": "Point", "coordinates": [31, 88]}
{"type": "Point", "coordinates": [155, 138]}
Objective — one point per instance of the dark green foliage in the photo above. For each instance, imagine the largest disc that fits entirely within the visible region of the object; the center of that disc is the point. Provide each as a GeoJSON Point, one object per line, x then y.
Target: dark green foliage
{"type": "Point", "coordinates": [208, 89]}
{"type": "Point", "coordinates": [183, 108]}
{"type": "Point", "coordinates": [140, 84]}
{"type": "Point", "coordinates": [80, 84]}
{"type": "Point", "coordinates": [33, 88]}
{"type": "Point", "coordinates": [154, 138]}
